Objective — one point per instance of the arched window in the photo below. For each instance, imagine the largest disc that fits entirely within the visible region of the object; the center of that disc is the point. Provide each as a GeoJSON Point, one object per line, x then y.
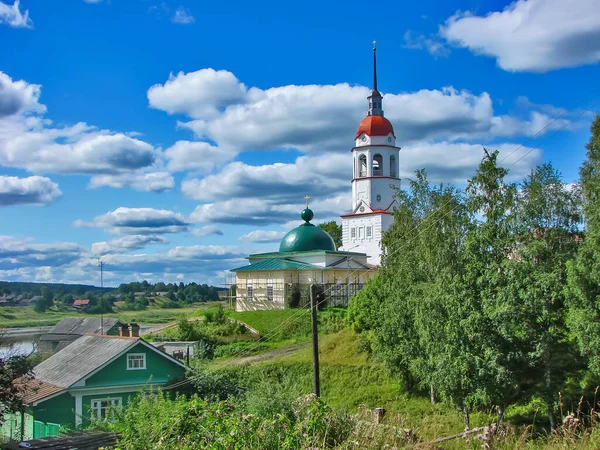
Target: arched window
{"type": "Point", "coordinates": [377, 165]}
{"type": "Point", "coordinates": [362, 166]}
{"type": "Point", "coordinates": [393, 166]}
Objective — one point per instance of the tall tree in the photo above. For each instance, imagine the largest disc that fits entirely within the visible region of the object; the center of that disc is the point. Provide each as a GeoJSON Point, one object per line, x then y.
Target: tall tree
{"type": "Point", "coordinates": [584, 272]}
{"type": "Point", "coordinates": [529, 308]}
{"type": "Point", "coordinates": [334, 230]}
{"type": "Point", "coordinates": [13, 368]}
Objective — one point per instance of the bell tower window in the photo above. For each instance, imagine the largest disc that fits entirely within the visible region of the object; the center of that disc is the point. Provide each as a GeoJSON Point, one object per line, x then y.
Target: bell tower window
{"type": "Point", "coordinates": [377, 165]}
{"type": "Point", "coordinates": [392, 166]}
{"type": "Point", "coordinates": [362, 166]}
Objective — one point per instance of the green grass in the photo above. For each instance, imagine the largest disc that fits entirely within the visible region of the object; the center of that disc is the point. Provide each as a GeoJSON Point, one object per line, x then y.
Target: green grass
{"type": "Point", "coordinates": [25, 316]}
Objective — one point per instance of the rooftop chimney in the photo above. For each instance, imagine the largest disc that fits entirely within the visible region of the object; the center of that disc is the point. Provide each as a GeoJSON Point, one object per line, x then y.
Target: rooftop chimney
{"type": "Point", "coordinates": [134, 330]}
{"type": "Point", "coordinates": [124, 330]}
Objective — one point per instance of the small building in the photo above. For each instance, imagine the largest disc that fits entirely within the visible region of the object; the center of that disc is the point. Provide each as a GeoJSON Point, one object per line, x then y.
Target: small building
{"type": "Point", "coordinates": [86, 380]}
{"type": "Point", "coordinates": [179, 350]}
{"type": "Point", "coordinates": [81, 303]}
{"type": "Point", "coordinates": [307, 255]}
{"type": "Point", "coordinates": [72, 328]}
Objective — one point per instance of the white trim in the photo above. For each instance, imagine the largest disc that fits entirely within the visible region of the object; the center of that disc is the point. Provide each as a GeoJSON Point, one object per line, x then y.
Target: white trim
{"type": "Point", "coordinates": [78, 409]}
{"type": "Point", "coordinates": [125, 389]}
{"type": "Point", "coordinates": [136, 355]}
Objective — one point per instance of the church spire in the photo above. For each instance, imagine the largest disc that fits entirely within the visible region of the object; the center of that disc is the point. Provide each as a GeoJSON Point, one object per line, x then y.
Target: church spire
{"type": "Point", "coordinates": [375, 99]}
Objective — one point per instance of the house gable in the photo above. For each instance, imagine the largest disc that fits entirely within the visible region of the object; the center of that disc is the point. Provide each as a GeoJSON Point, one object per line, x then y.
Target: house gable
{"type": "Point", "coordinates": [158, 368]}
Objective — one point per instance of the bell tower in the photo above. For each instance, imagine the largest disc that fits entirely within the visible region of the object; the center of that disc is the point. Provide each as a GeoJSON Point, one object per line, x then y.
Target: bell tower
{"type": "Point", "coordinates": [375, 175]}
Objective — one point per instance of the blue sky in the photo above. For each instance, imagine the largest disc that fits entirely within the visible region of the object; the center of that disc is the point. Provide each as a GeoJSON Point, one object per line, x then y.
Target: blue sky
{"type": "Point", "coordinates": [173, 138]}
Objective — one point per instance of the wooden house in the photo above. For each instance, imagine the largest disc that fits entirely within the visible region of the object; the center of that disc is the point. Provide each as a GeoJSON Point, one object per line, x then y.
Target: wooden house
{"type": "Point", "coordinates": [86, 380]}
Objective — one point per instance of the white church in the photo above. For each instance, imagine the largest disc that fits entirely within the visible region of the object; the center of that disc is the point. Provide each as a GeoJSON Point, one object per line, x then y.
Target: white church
{"type": "Point", "coordinates": [308, 255]}
{"type": "Point", "coordinates": [375, 175]}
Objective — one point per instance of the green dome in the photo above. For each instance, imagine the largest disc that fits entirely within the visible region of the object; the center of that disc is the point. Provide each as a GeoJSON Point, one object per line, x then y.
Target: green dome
{"type": "Point", "coordinates": [306, 237]}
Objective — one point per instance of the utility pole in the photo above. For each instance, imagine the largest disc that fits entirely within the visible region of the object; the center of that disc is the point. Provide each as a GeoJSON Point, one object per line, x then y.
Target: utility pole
{"type": "Point", "coordinates": [315, 340]}
{"type": "Point", "coordinates": [101, 264]}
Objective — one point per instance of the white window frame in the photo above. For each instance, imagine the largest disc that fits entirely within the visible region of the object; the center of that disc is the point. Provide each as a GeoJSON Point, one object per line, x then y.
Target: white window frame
{"type": "Point", "coordinates": [249, 290]}
{"type": "Point", "coordinates": [270, 293]}
{"type": "Point", "coordinates": [369, 231]}
{"type": "Point", "coordinates": [353, 232]}
{"type": "Point", "coordinates": [136, 355]}
{"type": "Point", "coordinates": [96, 407]}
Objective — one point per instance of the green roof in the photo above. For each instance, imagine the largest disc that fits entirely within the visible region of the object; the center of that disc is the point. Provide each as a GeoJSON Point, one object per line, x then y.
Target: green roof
{"type": "Point", "coordinates": [284, 255]}
{"type": "Point", "coordinates": [277, 264]}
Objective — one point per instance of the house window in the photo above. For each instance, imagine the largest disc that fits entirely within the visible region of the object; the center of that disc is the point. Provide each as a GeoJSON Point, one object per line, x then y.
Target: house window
{"type": "Point", "coordinates": [249, 290]}
{"type": "Point", "coordinates": [353, 232]}
{"type": "Point", "coordinates": [361, 232]}
{"type": "Point", "coordinates": [102, 408]}
{"type": "Point", "coordinates": [369, 231]}
{"type": "Point", "coordinates": [270, 290]}
{"type": "Point", "coordinates": [136, 361]}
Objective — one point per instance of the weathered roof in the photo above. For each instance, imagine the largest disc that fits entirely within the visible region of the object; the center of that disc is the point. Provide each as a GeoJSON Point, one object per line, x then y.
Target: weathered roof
{"type": "Point", "coordinates": [36, 390]}
{"type": "Point", "coordinates": [277, 264]}
{"type": "Point", "coordinates": [81, 358]}
{"type": "Point", "coordinates": [81, 325]}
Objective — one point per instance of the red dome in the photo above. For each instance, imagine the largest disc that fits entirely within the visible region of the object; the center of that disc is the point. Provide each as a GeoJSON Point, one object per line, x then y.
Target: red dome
{"type": "Point", "coordinates": [375, 126]}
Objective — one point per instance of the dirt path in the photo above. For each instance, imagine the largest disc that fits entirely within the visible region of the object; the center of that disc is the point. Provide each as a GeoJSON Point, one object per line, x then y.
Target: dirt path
{"type": "Point", "coordinates": [164, 326]}
{"type": "Point", "coordinates": [268, 355]}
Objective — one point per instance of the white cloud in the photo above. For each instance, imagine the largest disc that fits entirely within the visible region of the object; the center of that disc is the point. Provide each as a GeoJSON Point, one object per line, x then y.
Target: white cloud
{"type": "Point", "coordinates": [197, 156]}
{"type": "Point", "coordinates": [28, 191]}
{"type": "Point", "coordinates": [208, 230]}
{"type": "Point", "coordinates": [138, 221]}
{"type": "Point", "coordinates": [316, 119]}
{"type": "Point", "coordinates": [262, 236]}
{"type": "Point", "coordinates": [126, 244]}
{"type": "Point", "coordinates": [29, 141]}
{"type": "Point", "coordinates": [16, 253]}
{"type": "Point", "coordinates": [420, 42]}
{"type": "Point", "coordinates": [532, 35]}
{"type": "Point", "coordinates": [12, 16]}
{"type": "Point", "coordinates": [18, 96]}
{"type": "Point", "coordinates": [280, 181]}
{"type": "Point", "coordinates": [138, 180]}
{"type": "Point", "coordinates": [200, 94]}
{"type": "Point", "coordinates": [183, 16]}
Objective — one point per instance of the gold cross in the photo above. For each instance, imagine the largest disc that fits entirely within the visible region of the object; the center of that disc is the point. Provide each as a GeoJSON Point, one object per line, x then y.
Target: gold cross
{"type": "Point", "coordinates": [306, 198]}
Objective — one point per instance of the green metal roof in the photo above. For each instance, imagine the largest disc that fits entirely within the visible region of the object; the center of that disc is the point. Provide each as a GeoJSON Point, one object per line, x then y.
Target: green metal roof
{"type": "Point", "coordinates": [277, 264]}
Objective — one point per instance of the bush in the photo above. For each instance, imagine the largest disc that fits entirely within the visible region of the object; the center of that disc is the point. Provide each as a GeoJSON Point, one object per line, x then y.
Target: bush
{"type": "Point", "coordinates": [293, 297]}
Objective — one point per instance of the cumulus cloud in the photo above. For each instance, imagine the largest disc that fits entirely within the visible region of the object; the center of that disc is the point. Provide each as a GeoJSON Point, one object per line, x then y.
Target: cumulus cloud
{"type": "Point", "coordinates": [126, 244]}
{"type": "Point", "coordinates": [138, 180]}
{"type": "Point", "coordinates": [279, 181]}
{"type": "Point", "coordinates": [208, 230]}
{"type": "Point", "coordinates": [316, 118]}
{"type": "Point", "coordinates": [28, 191]}
{"type": "Point", "coordinates": [262, 236]}
{"type": "Point", "coordinates": [182, 16]}
{"type": "Point", "coordinates": [12, 16]}
{"type": "Point", "coordinates": [18, 96]}
{"type": "Point", "coordinates": [181, 259]}
{"type": "Point", "coordinates": [138, 221]}
{"type": "Point", "coordinates": [200, 94]}
{"type": "Point", "coordinates": [260, 212]}
{"type": "Point", "coordinates": [197, 156]}
{"type": "Point", "coordinates": [531, 35]}
{"type": "Point", "coordinates": [29, 141]}
{"type": "Point", "coordinates": [17, 253]}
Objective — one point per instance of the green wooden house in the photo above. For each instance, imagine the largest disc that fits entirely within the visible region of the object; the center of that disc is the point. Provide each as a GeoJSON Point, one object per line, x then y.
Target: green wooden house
{"type": "Point", "coordinates": [88, 378]}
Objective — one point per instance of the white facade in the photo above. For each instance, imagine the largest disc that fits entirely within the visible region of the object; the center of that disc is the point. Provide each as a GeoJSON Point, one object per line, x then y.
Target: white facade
{"type": "Point", "coordinates": [375, 179]}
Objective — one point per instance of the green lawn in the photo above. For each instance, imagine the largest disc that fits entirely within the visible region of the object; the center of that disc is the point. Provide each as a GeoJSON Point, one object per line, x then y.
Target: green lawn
{"type": "Point", "coordinates": [25, 316]}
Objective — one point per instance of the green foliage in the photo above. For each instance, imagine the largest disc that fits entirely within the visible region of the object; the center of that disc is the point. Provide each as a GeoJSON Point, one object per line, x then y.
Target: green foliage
{"type": "Point", "coordinates": [13, 367]}
{"type": "Point", "coordinates": [469, 301]}
{"type": "Point", "coordinates": [584, 272]}
{"type": "Point", "coordinates": [334, 230]}
{"type": "Point", "coordinates": [153, 422]}
{"type": "Point", "coordinates": [293, 297]}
